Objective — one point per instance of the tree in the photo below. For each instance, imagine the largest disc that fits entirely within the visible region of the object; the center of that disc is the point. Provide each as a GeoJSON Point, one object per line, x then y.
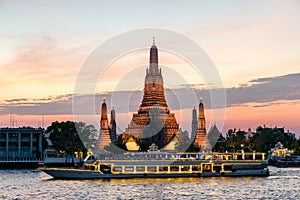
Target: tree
{"type": "Point", "coordinates": [263, 140]}
{"type": "Point", "coordinates": [235, 140]}
{"type": "Point", "coordinates": [67, 136]}
{"type": "Point", "coordinates": [88, 135]}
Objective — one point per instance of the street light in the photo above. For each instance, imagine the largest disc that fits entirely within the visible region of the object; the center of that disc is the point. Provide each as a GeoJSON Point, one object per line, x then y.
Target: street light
{"type": "Point", "coordinates": [243, 155]}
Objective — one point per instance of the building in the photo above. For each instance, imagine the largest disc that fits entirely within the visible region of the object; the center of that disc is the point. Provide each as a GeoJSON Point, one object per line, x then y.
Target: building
{"type": "Point", "coordinates": [249, 134]}
{"type": "Point", "coordinates": [216, 139]}
{"type": "Point", "coordinates": [21, 143]}
{"type": "Point", "coordinates": [153, 123]}
{"type": "Point", "coordinates": [201, 139]}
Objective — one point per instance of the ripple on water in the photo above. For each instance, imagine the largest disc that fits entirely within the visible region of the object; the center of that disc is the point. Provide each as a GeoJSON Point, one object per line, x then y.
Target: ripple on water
{"type": "Point", "coordinates": [27, 184]}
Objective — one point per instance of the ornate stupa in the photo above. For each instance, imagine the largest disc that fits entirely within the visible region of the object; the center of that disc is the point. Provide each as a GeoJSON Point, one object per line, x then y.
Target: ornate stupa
{"type": "Point", "coordinates": [194, 124]}
{"type": "Point", "coordinates": [201, 139]}
{"type": "Point", "coordinates": [104, 135]}
{"type": "Point", "coordinates": [113, 126]}
{"type": "Point", "coordinates": [153, 123]}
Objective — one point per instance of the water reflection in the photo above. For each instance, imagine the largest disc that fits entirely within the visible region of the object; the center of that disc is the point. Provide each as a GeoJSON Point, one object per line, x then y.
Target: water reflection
{"type": "Point", "coordinates": [26, 184]}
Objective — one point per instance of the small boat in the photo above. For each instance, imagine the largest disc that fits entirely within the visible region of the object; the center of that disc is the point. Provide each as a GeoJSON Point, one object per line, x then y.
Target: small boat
{"type": "Point", "coordinates": [53, 159]}
{"type": "Point", "coordinates": [291, 161]}
{"type": "Point", "coordinates": [283, 157]}
{"type": "Point", "coordinates": [186, 166]}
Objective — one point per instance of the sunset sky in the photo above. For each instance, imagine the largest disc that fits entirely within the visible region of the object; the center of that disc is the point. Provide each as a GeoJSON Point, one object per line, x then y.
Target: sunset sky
{"type": "Point", "coordinates": [254, 45]}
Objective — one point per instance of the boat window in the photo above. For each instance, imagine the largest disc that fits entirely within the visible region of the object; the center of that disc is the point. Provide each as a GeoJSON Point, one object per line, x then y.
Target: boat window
{"type": "Point", "coordinates": [163, 168]}
{"type": "Point", "coordinates": [174, 168]}
{"type": "Point", "coordinates": [207, 167]}
{"type": "Point", "coordinates": [140, 169]}
{"type": "Point", "coordinates": [185, 168]}
{"type": "Point", "coordinates": [151, 169]}
{"type": "Point", "coordinates": [117, 169]}
{"type": "Point", "coordinates": [129, 169]}
{"type": "Point", "coordinates": [196, 168]}
{"type": "Point", "coordinates": [227, 167]}
{"type": "Point", "coordinates": [217, 168]}
{"type": "Point", "coordinates": [105, 168]}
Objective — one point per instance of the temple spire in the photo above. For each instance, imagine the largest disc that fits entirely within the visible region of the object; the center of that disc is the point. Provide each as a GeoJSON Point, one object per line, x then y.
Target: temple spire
{"type": "Point", "coordinates": [153, 123]}
{"type": "Point", "coordinates": [104, 137]}
{"type": "Point", "coordinates": [201, 139]}
{"type": "Point", "coordinates": [201, 119]}
{"type": "Point", "coordinates": [153, 67]}
{"type": "Point", "coordinates": [113, 125]}
{"type": "Point", "coordinates": [104, 121]}
{"type": "Point", "coordinates": [154, 81]}
{"type": "Point", "coordinates": [194, 123]}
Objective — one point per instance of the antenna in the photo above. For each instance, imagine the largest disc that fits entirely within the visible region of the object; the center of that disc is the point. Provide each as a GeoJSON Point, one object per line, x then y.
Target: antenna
{"type": "Point", "coordinates": [12, 121]}
{"type": "Point", "coordinates": [10, 117]}
{"type": "Point", "coordinates": [43, 120]}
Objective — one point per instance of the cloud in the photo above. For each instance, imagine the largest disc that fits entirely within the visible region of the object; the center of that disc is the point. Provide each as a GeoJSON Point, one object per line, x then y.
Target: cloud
{"type": "Point", "coordinates": [16, 100]}
{"type": "Point", "coordinates": [41, 64]}
{"type": "Point", "coordinates": [260, 92]}
{"type": "Point", "coordinates": [268, 89]}
{"type": "Point", "coordinates": [56, 105]}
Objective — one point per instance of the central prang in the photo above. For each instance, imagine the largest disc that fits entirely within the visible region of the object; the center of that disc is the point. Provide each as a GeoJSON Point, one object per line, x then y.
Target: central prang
{"type": "Point", "coordinates": [153, 123]}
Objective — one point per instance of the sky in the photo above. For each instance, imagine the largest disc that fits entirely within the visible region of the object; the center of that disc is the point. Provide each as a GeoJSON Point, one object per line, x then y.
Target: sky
{"type": "Point", "coordinates": [254, 45]}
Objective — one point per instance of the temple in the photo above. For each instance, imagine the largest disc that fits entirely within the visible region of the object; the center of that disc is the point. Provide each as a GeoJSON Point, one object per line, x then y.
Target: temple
{"type": "Point", "coordinates": [201, 139]}
{"type": "Point", "coordinates": [194, 124]}
{"type": "Point", "coordinates": [153, 123]}
{"type": "Point", "coordinates": [104, 135]}
{"type": "Point", "coordinates": [113, 126]}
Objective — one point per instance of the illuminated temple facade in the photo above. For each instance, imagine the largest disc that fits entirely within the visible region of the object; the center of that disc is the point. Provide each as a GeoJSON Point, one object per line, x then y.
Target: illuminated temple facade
{"type": "Point", "coordinates": [107, 133]}
{"type": "Point", "coordinates": [201, 139]}
{"type": "Point", "coordinates": [153, 123]}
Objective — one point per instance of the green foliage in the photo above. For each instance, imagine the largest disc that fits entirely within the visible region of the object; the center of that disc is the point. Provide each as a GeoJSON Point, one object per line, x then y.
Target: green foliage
{"type": "Point", "coordinates": [263, 140]}
{"type": "Point", "coordinates": [68, 136]}
{"type": "Point", "coordinates": [144, 146]}
{"type": "Point", "coordinates": [235, 140]}
{"type": "Point", "coordinates": [88, 135]}
{"type": "Point", "coordinates": [219, 147]}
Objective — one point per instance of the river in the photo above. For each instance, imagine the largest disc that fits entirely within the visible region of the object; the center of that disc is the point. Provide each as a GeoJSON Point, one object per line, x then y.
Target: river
{"type": "Point", "coordinates": [283, 183]}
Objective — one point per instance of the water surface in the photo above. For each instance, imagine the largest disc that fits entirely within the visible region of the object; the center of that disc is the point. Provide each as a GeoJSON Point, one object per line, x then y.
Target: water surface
{"type": "Point", "coordinates": [33, 184]}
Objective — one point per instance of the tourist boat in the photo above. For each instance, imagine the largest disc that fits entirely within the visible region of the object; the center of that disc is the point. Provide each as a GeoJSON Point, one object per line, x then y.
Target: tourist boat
{"type": "Point", "coordinates": [184, 165]}
{"type": "Point", "coordinates": [283, 157]}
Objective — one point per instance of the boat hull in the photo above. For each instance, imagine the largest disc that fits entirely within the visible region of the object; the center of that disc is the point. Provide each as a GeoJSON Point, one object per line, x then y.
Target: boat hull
{"type": "Point", "coordinates": [285, 164]}
{"type": "Point", "coordinates": [72, 174]}
{"type": "Point", "coordinates": [20, 164]}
